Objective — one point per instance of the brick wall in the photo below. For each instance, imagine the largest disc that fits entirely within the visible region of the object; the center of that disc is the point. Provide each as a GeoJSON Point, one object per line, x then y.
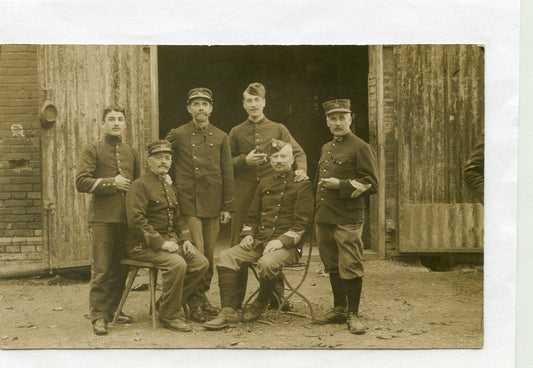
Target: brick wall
{"type": "Point", "coordinates": [20, 157]}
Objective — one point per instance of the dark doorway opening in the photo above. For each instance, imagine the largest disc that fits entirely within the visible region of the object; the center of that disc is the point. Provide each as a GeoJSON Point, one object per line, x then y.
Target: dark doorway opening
{"type": "Point", "coordinates": [297, 80]}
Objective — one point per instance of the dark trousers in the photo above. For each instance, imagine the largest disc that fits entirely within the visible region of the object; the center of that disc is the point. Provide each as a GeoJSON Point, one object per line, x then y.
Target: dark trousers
{"type": "Point", "coordinates": [204, 233]}
{"type": "Point", "coordinates": [180, 277]}
{"type": "Point", "coordinates": [341, 248]}
{"type": "Point", "coordinates": [108, 276]}
{"type": "Point", "coordinates": [232, 261]}
{"type": "Point", "coordinates": [244, 193]}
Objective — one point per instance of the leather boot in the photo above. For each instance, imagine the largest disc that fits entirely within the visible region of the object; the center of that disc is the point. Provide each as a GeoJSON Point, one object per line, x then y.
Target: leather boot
{"type": "Point", "coordinates": [209, 309]}
{"type": "Point", "coordinates": [355, 326]}
{"type": "Point", "coordinates": [335, 315]}
{"type": "Point", "coordinates": [225, 318]}
{"type": "Point", "coordinates": [338, 313]}
{"type": "Point", "coordinates": [254, 311]}
{"type": "Point", "coordinates": [279, 290]}
{"type": "Point", "coordinates": [100, 327]}
{"type": "Point", "coordinates": [228, 284]}
{"type": "Point", "coordinates": [242, 283]}
{"type": "Point", "coordinates": [353, 291]}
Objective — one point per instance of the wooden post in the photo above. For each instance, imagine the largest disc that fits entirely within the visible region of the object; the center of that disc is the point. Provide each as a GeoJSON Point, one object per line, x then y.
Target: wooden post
{"type": "Point", "coordinates": [154, 89]}
{"type": "Point", "coordinates": [380, 147]}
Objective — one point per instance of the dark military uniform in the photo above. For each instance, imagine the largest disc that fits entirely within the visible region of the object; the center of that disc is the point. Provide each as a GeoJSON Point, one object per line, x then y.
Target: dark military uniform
{"type": "Point", "coordinates": [474, 169]}
{"type": "Point", "coordinates": [153, 218]}
{"type": "Point", "coordinates": [244, 138]}
{"type": "Point", "coordinates": [204, 181]}
{"type": "Point", "coordinates": [281, 209]}
{"type": "Point", "coordinates": [340, 213]}
{"type": "Point", "coordinates": [98, 165]}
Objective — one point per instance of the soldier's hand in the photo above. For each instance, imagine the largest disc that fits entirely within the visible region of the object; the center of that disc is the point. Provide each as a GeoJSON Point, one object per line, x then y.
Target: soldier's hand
{"type": "Point", "coordinates": [170, 246]}
{"type": "Point", "coordinates": [122, 183]}
{"type": "Point", "coordinates": [300, 175]}
{"type": "Point", "coordinates": [272, 246]}
{"type": "Point", "coordinates": [225, 217]}
{"type": "Point", "coordinates": [188, 248]}
{"type": "Point", "coordinates": [330, 183]}
{"type": "Point", "coordinates": [247, 242]}
{"type": "Point", "coordinates": [254, 158]}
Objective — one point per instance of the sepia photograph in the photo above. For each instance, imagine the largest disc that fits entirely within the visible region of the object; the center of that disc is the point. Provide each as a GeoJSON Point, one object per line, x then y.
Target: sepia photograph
{"type": "Point", "coordinates": [324, 197]}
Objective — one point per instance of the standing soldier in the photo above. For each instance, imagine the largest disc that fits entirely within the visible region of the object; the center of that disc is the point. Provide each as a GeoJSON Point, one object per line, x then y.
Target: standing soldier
{"type": "Point", "coordinates": [251, 143]}
{"type": "Point", "coordinates": [347, 173]}
{"type": "Point", "coordinates": [106, 169]}
{"type": "Point", "coordinates": [204, 180]}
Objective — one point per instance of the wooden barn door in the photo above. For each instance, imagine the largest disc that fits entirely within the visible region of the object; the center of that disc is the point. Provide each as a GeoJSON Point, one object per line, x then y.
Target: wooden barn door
{"type": "Point", "coordinates": [82, 80]}
{"type": "Point", "coordinates": [439, 107]}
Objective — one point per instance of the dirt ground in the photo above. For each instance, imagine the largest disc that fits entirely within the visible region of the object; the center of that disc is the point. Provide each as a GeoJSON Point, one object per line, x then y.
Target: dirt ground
{"type": "Point", "coordinates": [404, 306]}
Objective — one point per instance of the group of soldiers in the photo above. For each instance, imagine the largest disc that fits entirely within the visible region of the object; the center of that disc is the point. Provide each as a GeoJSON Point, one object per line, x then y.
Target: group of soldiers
{"type": "Point", "coordinates": [198, 177]}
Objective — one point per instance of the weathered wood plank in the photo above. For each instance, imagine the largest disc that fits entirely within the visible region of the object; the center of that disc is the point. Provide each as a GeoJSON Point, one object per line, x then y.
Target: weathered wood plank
{"type": "Point", "coordinates": [84, 79]}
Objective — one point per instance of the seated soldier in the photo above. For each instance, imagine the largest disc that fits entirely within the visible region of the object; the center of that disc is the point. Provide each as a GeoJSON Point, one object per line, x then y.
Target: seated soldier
{"type": "Point", "coordinates": [158, 233]}
{"type": "Point", "coordinates": [279, 215]}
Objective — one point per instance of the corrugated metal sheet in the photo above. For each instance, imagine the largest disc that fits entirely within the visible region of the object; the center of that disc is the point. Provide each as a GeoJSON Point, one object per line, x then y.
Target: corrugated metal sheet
{"type": "Point", "coordinates": [83, 80]}
{"type": "Point", "coordinates": [441, 227]}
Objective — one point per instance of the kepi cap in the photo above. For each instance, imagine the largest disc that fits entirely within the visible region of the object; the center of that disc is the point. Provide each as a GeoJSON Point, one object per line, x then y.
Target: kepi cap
{"type": "Point", "coordinates": [200, 92]}
{"type": "Point", "coordinates": [159, 146]}
{"type": "Point", "coordinates": [256, 89]}
{"type": "Point", "coordinates": [341, 105]}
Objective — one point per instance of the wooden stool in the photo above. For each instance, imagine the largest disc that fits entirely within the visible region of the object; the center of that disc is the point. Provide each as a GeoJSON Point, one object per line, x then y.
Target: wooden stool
{"type": "Point", "coordinates": [132, 273]}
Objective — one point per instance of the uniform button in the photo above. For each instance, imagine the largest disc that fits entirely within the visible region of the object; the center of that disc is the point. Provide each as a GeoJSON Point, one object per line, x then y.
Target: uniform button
{"type": "Point", "coordinates": [262, 227]}
{"type": "Point", "coordinates": [193, 133]}
{"type": "Point", "coordinates": [258, 178]}
{"type": "Point", "coordinates": [194, 157]}
{"type": "Point", "coordinates": [329, 153]}
{"type": "Point", "coordinates": [194, 145]}
{"type": "Point", "coordinates": [333, 144]}
{"type": "Point", "coordinates": [118, 160]}
{"type": "Point", "coordinates": [281, 193]}
{"type": "Point", "coordinates": [275, 217]}
{"type": "Point", "coordinates": [284, 182]}
{"type": "Point", "coordinates": [211, 144]}
{"type": "Point", "coordinates": [273, 228]}
{"type": "Point", "coordinates": [321, 199]}
{"type": "Point", "coordinates": [326, 161]}
{"type": "Point", "coordinates": [257, 134]}
{"type": "Point", "coordinates": [324, 170]}
{"type": "Point", "coordinates": [279, 204]}
{"type": "Point", "coordinates": [210, 133]}
{"type": "Point", "coordinates": [321, 188]}
{"type": "Point", "coordinates": [257, 140]}
{"type": "Point", "coordinates": [195, 168]}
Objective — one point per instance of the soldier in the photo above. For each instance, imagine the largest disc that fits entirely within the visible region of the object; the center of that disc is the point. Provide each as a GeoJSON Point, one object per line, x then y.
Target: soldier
{"type": "Point", "coordinates": [204, 180]}
{"type": "Point", "coordinates": [106, 169]}
{"type": "Point", "coordinates": [474, 169]}
{"type": "Point", "coordinates": [347, 173]}
{"type": "Point", "coordinates": [251, 144]}
{"type": "Point", "coordinates": [158, 234]}
{"type": "Point", "coordinates": [280, 213]}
